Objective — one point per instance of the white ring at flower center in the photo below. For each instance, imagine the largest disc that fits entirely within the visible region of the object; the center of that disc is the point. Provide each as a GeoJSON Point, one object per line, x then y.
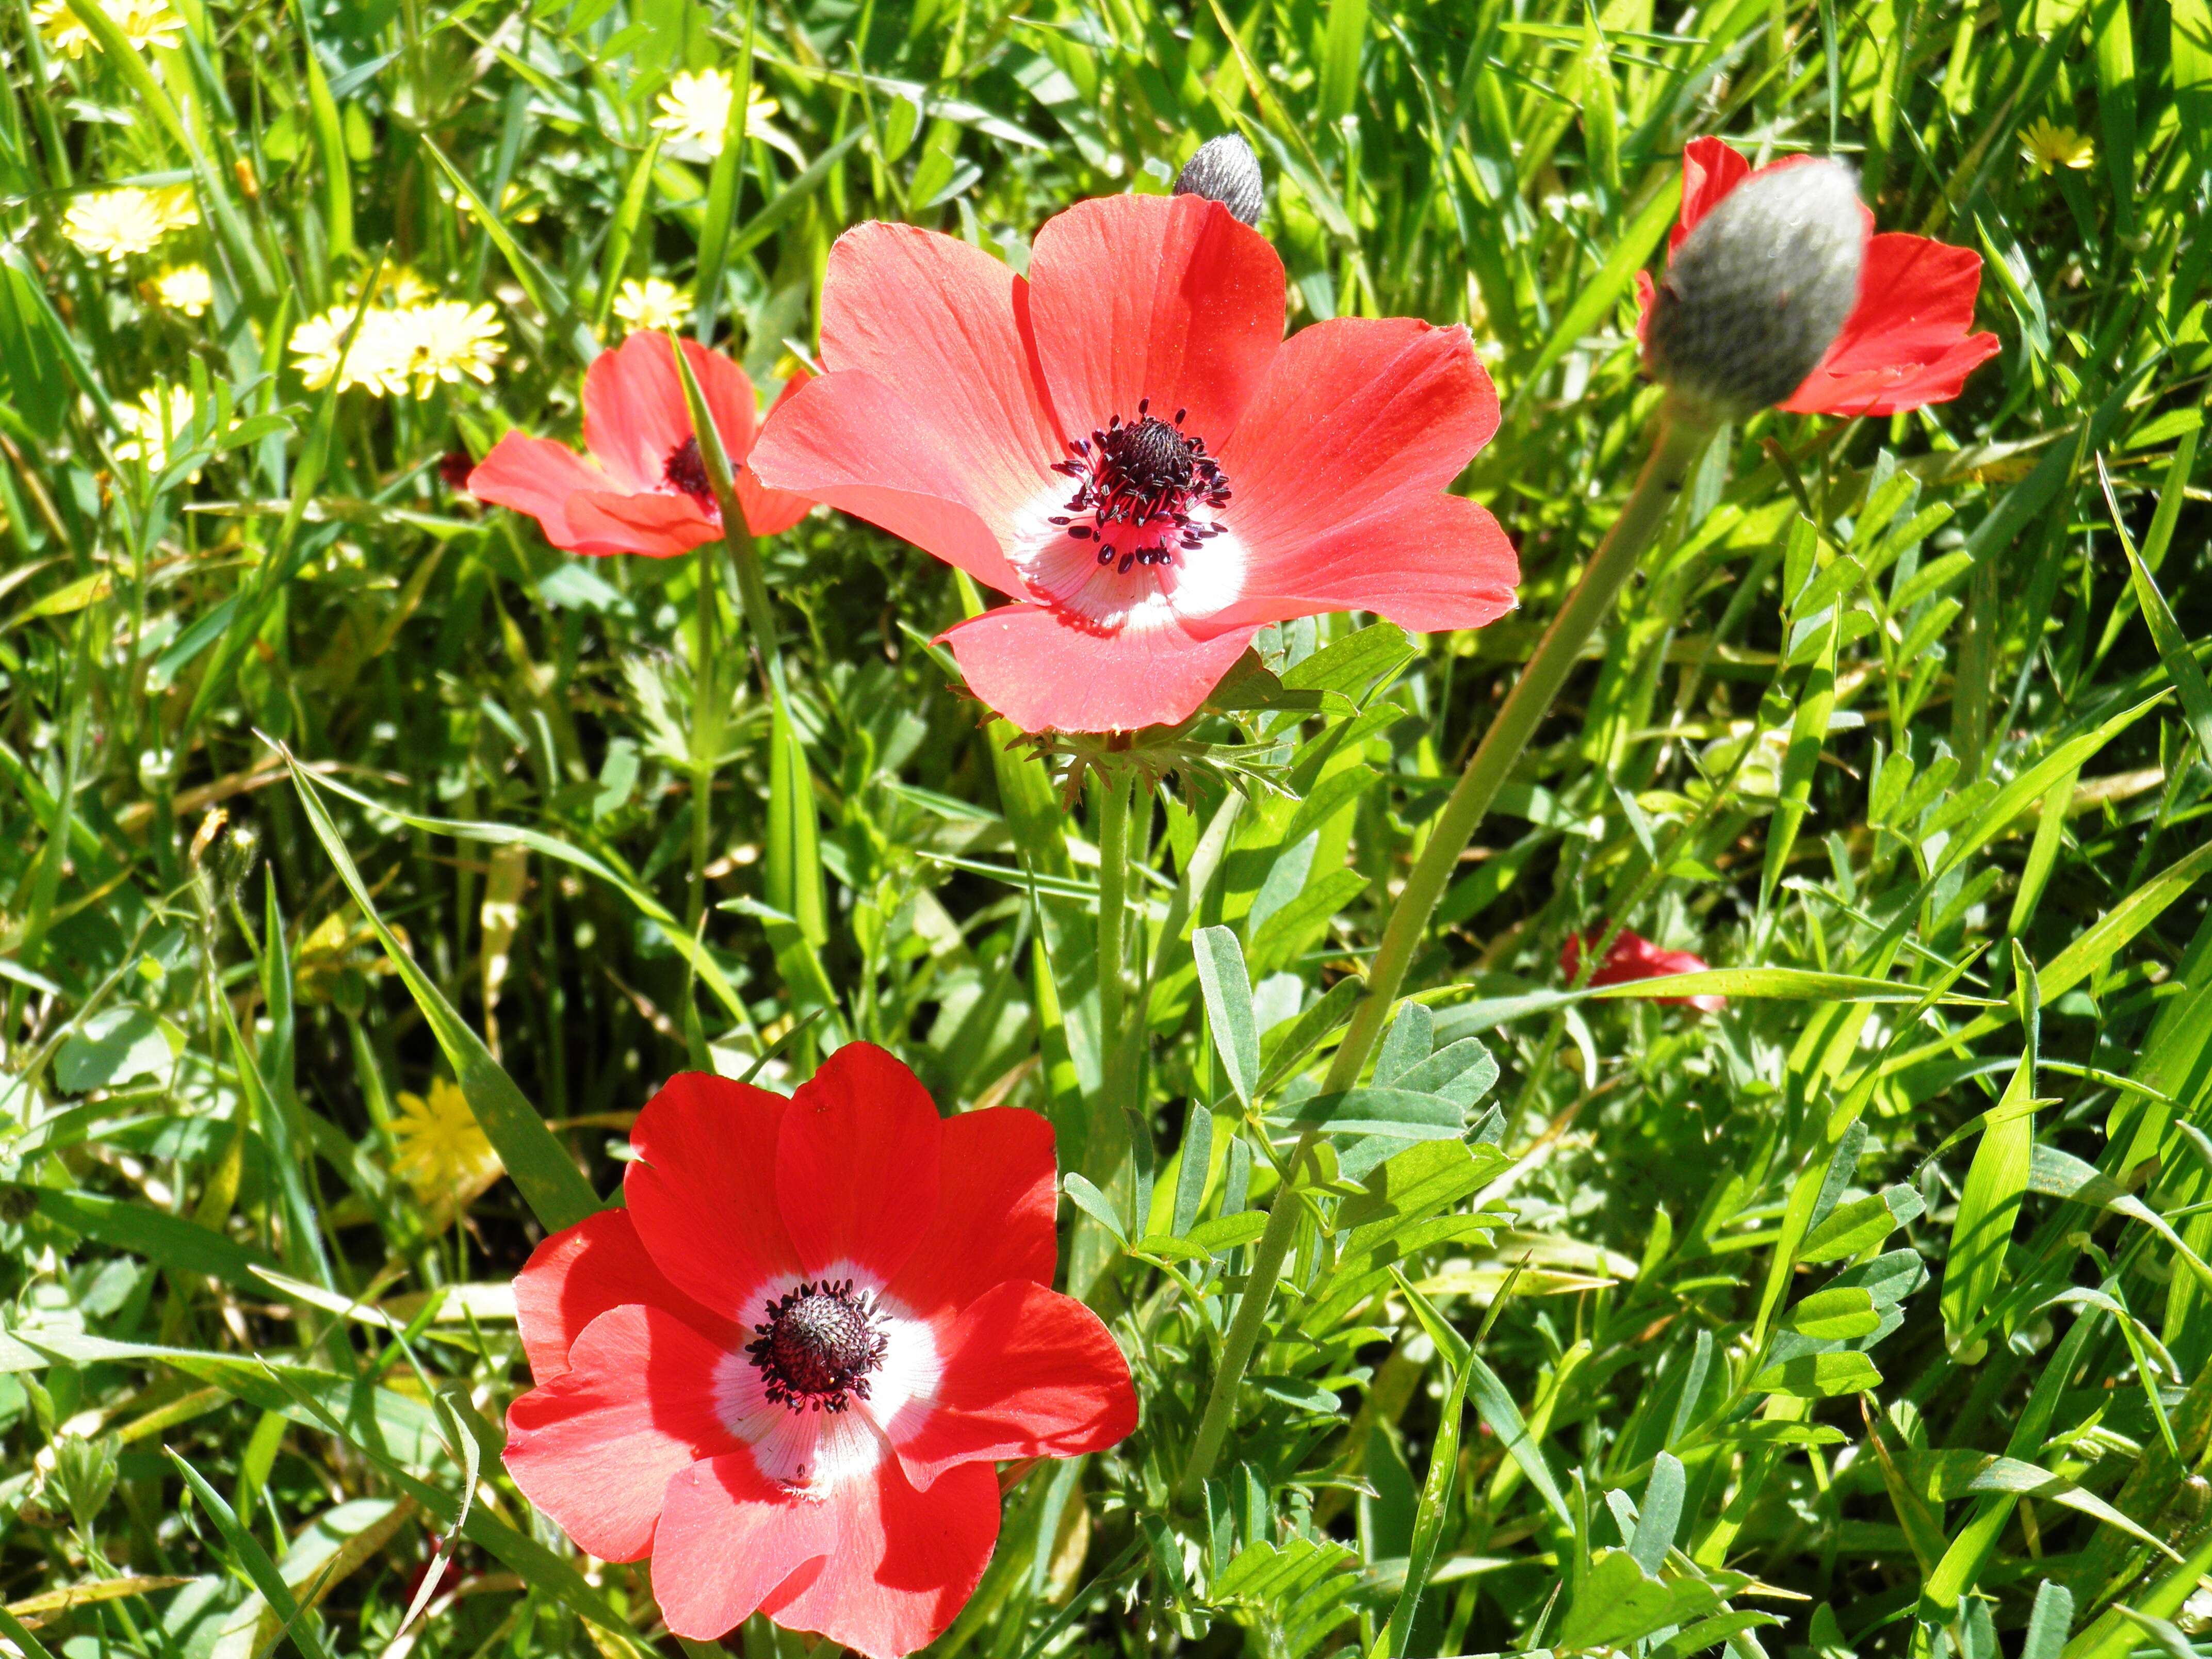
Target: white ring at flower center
{"type": "Point", "coordinates": [1064, 572]}
{"type": "Point", "coordinates": [813, 1449]}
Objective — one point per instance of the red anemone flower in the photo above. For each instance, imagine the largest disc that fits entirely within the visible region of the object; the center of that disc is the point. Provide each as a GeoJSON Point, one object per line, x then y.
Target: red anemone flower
{"type": "Point", "coordinates": [1909, 343]}
{"type": "Point", "coordinates": [642, 487]}
{"type": "Point", "coordinates": [1632, 956]}
{"type": "Point", "coordinates": [1125, 443]}
{"type": "Point", "coordinates": [785, 1370]}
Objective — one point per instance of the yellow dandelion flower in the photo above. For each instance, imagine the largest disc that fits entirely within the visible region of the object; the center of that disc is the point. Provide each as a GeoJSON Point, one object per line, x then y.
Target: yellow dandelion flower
{"type": "Point", "coordinates": [114, 224]}
{"type": "Point", "coordinates": [450, 340]}
{"type": "Point", "coordinates": [2048, 147]}
{"type": "Point", "coordinates": [694, 110]}
{"type": "Point", "coordinates": [145, 24]}
{"type": "Point", "coordinates": [653, 303]}
{"type": "Point", "coordinates": [185, 288]}
{"type": "Point", "coordinates": [377, 360]}
{"type": "Point", "coordinates": [162, 415]}
{"type": "Point", "coordinates": [443, 1150]}
{"type": "Point", "coordinates": [401, 287]}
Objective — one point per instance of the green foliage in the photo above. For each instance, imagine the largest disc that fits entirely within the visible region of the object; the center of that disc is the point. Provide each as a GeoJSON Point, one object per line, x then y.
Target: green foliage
{"type": "Point", "coordinates": [1869, 1316]}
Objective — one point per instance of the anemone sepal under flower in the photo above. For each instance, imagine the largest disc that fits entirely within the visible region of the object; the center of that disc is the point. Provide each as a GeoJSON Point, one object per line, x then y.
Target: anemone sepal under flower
{"type": "Point", "coordinates": [1124, 444]}
{"type": "Point", "coordinates": [785, 1370]}
{"type": "Point", "coordinates": [1908, 341]}
{"type": "Point", "coordinates": [640, 486]}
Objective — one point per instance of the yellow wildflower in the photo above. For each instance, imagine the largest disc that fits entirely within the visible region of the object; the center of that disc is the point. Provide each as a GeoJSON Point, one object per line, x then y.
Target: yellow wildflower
{"type": "Point", "coordinates": [145, 24]}
{"type": "Point", "coordinates": [185, 288]}
{"type": "Point", "coordinates": [653, 303]}
{"type": "Point", "coordinates": [449, 339]}
{"type": "Point", "coordinates": [377, 360]}
{"type": "Point", "coordinates": [2048, 147]}
{"type": "Point", "coordinates": [162, 414]}
{"type": "Point", "coordinates": [114, 224]}
{"type": "Point", "coordinates": [443, 1150]}
{"type": "Point", "coordinates": [401, 287]}
{"type": "Point", "coordinates": [694, 110]}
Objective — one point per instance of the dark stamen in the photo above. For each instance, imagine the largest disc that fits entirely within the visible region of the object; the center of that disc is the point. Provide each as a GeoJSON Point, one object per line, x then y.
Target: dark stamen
{"type": "Point", "coordinates": [818, 1347]}
{"type": "Point", "coordinates": [687, 471]}
{"type": "Point", "coordinates": [1144, 473]}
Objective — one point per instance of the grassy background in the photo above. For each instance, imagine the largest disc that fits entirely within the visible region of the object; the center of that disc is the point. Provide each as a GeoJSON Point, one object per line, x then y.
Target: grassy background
{"type": "Point", "coordinates": [1755, 1364]}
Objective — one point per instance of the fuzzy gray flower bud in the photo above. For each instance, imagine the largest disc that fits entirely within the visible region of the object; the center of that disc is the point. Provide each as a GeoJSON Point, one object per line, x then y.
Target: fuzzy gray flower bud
{"type": "Point", "coordinates": [1756, 294]}
{"type": "Point", "coordinates": [1224, 170]}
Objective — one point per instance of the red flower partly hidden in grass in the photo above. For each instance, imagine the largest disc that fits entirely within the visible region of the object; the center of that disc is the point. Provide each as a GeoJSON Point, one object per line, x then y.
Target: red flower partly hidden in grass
{"type": "Point", "coordinates": [784, 1371]}
{"type": "Point", "coordinates": [642, 487]}
{"type": "Point", "coordinates": [1910, 341]}
{"type": "Point", "coordinates": [1124, 443]}
{"type": "Point", "coordinates": [1631, 957]}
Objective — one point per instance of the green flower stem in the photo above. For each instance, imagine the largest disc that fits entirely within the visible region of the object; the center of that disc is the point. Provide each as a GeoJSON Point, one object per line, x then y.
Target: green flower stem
{"type": "Point", "coordinates": [1251, 1318]}
{"type": "Point", "coordinates": [1106, 1147]}
{"type": "Point", "coordinates": [1682, 438]}
{"type": "Point", "coordinates": [705, 736]}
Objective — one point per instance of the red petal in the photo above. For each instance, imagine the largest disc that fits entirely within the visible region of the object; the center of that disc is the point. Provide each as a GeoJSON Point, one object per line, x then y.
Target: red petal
{"type": "Point", "coordinates": [703, 1191]}
{"type": "Point", "coordinates": [1634, 957]}
{"type": "Point", "coordinates": [1430, 562]}
{"type": "Point", "coordinates": [1710, 169]}
{"type": "Point", "coordinates": [575, 1276]}
{"type": "Point", "coordinates": [1354, 409]}
{"type": "Point", "coordinates": [904, 1562]}
{"type": "Point", "coordinates": [848, 440]}
{"type": "Point", "coordinates": [1363, 422]}
{"type": "Point", "coordinates": [1908, 343]}
{"type": "Point", "coordinates": [771, 512]}
{"type": "Point", "coordinates": [1165, 297]}
{"type": "Point", "coordinates": [997, 1192]}
{"type": "Point", "coordinates": [634, 416]}
{"type": "Point", "coordinates": [1028, 1373]}
{"type": "Point", "coordinates": [1043, 671]}
{"type": "Point", "coordinates": [657, 525]}
{"type": "Point", "coordinates": [538, 477]}
{"type": "Point", "coordinates": [856, 1164]}
{"type": "Point", "coordinates": [596, 1447]}
{"type": "Point", "coordinates": [946, 327]}
{"type": "Point", "coordinates": [729, 1540]}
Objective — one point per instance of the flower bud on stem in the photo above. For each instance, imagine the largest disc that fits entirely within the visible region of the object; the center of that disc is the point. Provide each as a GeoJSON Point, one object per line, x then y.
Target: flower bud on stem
{"type": "Point", "coordinates": [1224, 170]}
{"type": "Point", "coordinates": [1755, 295]}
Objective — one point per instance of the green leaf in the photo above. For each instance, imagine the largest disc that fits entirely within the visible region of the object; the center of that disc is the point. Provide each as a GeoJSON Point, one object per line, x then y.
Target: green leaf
{"type": "Point", "coordinates": [1829, 1315]}
{"type": "Point", "coordinates": [1789, 984]}
{"type": "Point", "coordinates": [1193, 1164]}
{"type": "Point", "coordinates": [1819, 1376]}
{"type": "Point", "coordinates": [1349, 665]}
{"type": "Point", "coordinates": [1996, 1181]}
{"type": "Point", "coordinates": [1620, 1604]}
{"type": "Point", "coordinates": [1662, 1512]}
{"type": "Point", "coordinates": [174, 1241]}
{"type": "Point", "coordinates": [540, 1167]}
{"type": "Point", "coordinates": [1808, 733]}
{"type": "Point", "coordinates": [1395, 1112]}
{"type": "Point", "coordinates": [1227, 988]}
{"type": "Point", "coordinates": [1436, 1503]}
{"type": "Point", "coordinates": [1285, 1053]}
{"type": "Point", "coordinates": [1859, 1226]}
{"type": "Point", "coordinates": [255, 1560]}
{"type": "Point", "coordinates": [1094, 1204]}
{"type": "Point", "coordinates": [112, 1047]}
{"type": "Point", "coordinates": [2173, 649]}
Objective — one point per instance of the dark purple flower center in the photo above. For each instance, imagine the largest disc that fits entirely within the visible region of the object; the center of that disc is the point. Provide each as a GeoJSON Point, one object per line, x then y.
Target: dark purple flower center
{"type": "Point", "coordinates": [687, 471]}
{"type": "Point", "coordinates": [818, 1347]}
{"type": "Point", "coordinates": [1137, 483]}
